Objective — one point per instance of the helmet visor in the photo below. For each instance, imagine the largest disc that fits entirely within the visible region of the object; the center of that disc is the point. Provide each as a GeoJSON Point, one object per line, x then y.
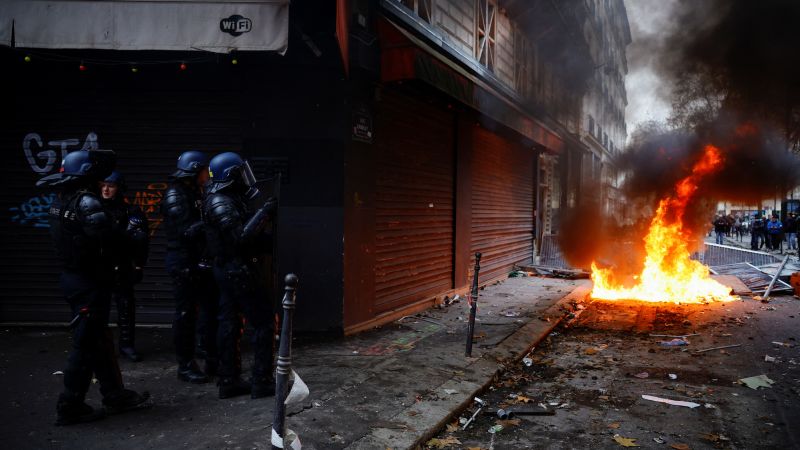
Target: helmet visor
{"type": "Point", "coordinates": [248, 178]}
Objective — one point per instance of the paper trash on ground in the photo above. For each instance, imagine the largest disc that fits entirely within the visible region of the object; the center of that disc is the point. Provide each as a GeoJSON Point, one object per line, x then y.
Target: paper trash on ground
{"type": "Point", "coordinates": [670, 402]}
{"type": "Point", "coordinates": [757, 382]}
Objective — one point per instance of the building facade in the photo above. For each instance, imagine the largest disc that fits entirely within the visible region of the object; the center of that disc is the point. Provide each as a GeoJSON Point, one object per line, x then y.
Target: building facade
{"type": "Point", "coordinates": [410, 134]}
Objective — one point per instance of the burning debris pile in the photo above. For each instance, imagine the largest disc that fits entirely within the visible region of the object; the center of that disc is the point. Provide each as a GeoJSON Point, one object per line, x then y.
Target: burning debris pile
{"type": "Point", "coordinates": [735, 124]}
{"type": "Point", "coordinates": [669, 274]}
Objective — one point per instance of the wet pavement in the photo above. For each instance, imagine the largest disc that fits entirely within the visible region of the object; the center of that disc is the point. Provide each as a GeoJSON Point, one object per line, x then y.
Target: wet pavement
{"type": "Point", "coordinates": [391, 387]}
{"type": "Point", "coordinates": [594, 372]}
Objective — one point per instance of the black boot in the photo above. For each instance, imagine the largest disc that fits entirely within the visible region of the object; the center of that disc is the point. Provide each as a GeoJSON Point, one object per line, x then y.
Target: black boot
{"type": "Point", "coordinates": [263, 388]}
{"type": "Point", "coordinates": [191, 373]}
{"type": "Point", "coordinates": [70, 411]}
{"type": "Point", "coordinates": [130, 353]}
{"type": "Point", "coordinates": [232, 387]}
{"type": "Point", "coordinates": [126, 400]}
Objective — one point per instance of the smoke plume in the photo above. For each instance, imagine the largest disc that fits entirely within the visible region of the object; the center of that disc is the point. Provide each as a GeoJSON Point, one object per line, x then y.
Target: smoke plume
{"type": "Point", "coordinates": [736, 68]}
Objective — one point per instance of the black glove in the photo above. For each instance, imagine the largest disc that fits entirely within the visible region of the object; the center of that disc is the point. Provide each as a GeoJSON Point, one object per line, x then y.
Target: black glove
{"type": "Point", "coordinates": [193, 231]}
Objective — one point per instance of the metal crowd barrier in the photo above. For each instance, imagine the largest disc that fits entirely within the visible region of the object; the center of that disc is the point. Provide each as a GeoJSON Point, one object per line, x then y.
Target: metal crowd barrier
{"type": "Point", "coordinates": [722, 255]}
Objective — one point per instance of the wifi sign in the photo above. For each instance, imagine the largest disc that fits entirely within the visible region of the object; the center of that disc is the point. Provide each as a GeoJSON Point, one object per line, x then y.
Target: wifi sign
{"type": "Point", "coordinates": [235, 25]}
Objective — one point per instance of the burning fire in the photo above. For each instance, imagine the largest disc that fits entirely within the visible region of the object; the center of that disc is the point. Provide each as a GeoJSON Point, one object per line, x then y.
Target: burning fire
{"type": "Point", "coordinates": [669, 275]}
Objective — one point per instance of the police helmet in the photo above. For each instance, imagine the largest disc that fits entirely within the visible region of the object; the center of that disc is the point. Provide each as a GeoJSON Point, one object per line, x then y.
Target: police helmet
{"type": "Point", "coordinates": [190, 163]}
{"type": "Point", "coordinates": [229, 168]}
{"type": "Point", "coordinates": [88, 163]}
{"type": "Point", "coordinates": [116, 178]}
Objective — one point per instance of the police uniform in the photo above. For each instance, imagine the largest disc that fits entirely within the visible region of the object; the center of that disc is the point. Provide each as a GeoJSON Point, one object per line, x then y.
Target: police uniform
{"type": "Point", "coordinates": [238, 242]}
{"type": "Point", "coordinates": [82, 233]}
{"type": "Point", "coordinates": [192, 286]}
{"type": "Point", "coordinates": [129, 253]}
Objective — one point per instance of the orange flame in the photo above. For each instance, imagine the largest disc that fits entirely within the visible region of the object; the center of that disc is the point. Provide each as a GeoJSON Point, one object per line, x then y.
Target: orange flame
{"type": "Point", "coordinates": [669, 275]}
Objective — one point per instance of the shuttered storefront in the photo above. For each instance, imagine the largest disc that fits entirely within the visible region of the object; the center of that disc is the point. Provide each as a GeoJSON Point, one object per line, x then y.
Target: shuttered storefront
{"type": "Point", "coordinates": [502, 203]}
{"type": "Point", "coordinates": [148, 119]}
{"type": "Point", "coordinates": [414, 201]}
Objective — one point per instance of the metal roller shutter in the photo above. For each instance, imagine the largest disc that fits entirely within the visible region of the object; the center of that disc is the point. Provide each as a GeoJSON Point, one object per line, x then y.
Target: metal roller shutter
{"type": "Point", "coordinates": [502, 203]}
{"type": "Point", "coordinates": [414, 202]}
{"type": "Point", "coordinates": [148, 122]}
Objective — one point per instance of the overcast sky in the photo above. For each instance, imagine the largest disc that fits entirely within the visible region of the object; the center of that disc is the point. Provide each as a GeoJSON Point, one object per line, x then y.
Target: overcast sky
{"type": "Point", "coordinates": [648, 95]}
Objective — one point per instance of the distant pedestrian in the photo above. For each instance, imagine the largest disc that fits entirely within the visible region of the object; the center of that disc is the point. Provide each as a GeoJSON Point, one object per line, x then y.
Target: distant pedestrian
{"type": "Point", "coordinates": [719, 228]}
{"type": "Point", "coordinates": [774, 233]}
{"type": "Point", "coordinates": [757, 233]}
{"type": "Point", "coordinates": [737, 228]}
{"type": "Point", "coordinates": [790, 227]}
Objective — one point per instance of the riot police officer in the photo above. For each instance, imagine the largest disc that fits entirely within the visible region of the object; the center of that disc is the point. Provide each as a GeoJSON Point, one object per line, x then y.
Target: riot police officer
{"type": "Point", "coordinates": [238, 242]}
{"type": "Point", "coordinates": [81, 231]}
{"type": "Point", "coordinates": [193, 289]}
{"type": "Point", "coordinates": [129, 253]}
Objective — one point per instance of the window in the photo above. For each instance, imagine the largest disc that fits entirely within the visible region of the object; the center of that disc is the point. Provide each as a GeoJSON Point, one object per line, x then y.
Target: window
{"type": "Point", "coordinates": [521, 61]}
{"type": "Point", "coordinates": [605, 140]}
{"type": "Point", "coordinates": [485, 31]}
{"type": "Point", "coordinates": [422, 8]}
{"type": "Point", "coordinates": [591, 125]}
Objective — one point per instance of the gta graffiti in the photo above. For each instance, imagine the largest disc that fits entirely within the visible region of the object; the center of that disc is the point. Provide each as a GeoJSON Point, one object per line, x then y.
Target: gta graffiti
{"type": "Point", "coordinates": [44, 160]}
{"type": "Point", "coordinates": [33, 211]}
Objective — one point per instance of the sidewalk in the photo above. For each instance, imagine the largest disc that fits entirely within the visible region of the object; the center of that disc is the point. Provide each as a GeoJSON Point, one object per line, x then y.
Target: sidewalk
{"type": "Point", "coordinates": [387, 388]}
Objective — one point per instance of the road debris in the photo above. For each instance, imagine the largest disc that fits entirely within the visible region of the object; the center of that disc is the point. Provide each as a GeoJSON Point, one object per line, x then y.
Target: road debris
{"type": "Point", "coordinates": [717, 348]}
{"type": "Point", "coordinates": [769, 359]}
{"type": "Point", "coordinates": [677, 342]}
{"type": "Point", "coordinates": [625, 442]}
{"type": "Point", "coordinates": [757, 382]}
{"type": "Point", "coordinates": [672, 376]}
{"type": "Point", "coordinates": [670, 402]}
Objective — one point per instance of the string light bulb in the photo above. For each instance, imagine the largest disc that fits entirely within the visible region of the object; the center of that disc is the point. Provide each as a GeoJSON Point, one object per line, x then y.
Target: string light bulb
{"type": "Point", "coordinates": [234, 61]}
{"type": "Point", "coordinates": [82, 67]}
{"type": "Point", "coordinates": [27, 58]}
{"type": "Point", "coordinates": [183, 66]}
{"type": "Point", "coordinates": [135, 69]}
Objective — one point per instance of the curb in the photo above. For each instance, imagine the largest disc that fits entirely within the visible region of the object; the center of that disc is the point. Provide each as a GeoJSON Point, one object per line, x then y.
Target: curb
{"type": "Point", "coordinates": [423, 420]}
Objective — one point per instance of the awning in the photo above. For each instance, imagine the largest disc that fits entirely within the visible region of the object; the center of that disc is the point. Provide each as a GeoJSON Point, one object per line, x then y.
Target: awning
{"type": "Point", "coordinates": [219, 27]}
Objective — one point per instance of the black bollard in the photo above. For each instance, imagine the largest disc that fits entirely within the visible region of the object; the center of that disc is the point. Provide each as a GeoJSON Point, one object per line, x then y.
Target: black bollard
{"type": "Point", "coordinates": [284, 368]}
{"type": "Point", "coordinates": [473, 304]}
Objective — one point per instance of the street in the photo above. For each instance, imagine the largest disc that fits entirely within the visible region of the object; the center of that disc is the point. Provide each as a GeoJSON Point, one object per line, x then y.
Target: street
{"type": "Point", "coordinates": [594, 372]}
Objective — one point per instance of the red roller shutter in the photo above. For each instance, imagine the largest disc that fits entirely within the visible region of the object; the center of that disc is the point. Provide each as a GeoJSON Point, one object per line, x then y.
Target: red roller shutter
{"type": "Point", "coordinates": [414, 202]}
{"type": "Point", "coordinates": [502, 203]}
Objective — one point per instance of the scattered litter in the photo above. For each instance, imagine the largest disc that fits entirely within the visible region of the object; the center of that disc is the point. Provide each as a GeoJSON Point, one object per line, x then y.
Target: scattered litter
{"type": "Point", "coordinates": [675, 335]}
{"type": "Point", "coordinates": [717, 348]}
{"type": "Point", "coordinates": [527, 361]}
{"type": "Point", "coordinates": [768, 358]}
{"type": "Point", "coordinates": [642, 375]}
{"type": "Point", "coordinates": [757, 382]}
{"type": "Point", "coordinates": [449, 301]}
{"type": "Point", "coordinates": [781, 344]}
{"type": "Point", "coordinates": [442, 443]}
{"type": "Point", "coordinates": [709, 406]}
{"type": "Point", "coordinates": [450, 391]}
{"type": "Point", "coordinates": [671, 402]}
{"type": "Point", "coordinates": [715, 438]}
{"type": "Point", "coordinates": [591, 351]}
{"type": "Point", "coordinates": [495, 429]}
{"type": "Point", "coordinates": [462, 420]}
{"type": "Point", "coordinates": [672, 376]}
{"type": "Point", "coordinates": [680, 446]}
{"type": "Point", "coordinates": [58, 372]}
{"type": "Point", "coordinates": [317, 404]}
{"type": "Point", "coordinates": [563, 405]}
{"type": "Point", "coordinates": [625, 442]}
{"type": "Point", "coordinates": [677, 342]}
{"type": "Point", "coordinates": [508, 423]}
{"type": "Point", "coordinates": [512, 313]}
{"type": "Point", "coordinates": [659, 441]}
